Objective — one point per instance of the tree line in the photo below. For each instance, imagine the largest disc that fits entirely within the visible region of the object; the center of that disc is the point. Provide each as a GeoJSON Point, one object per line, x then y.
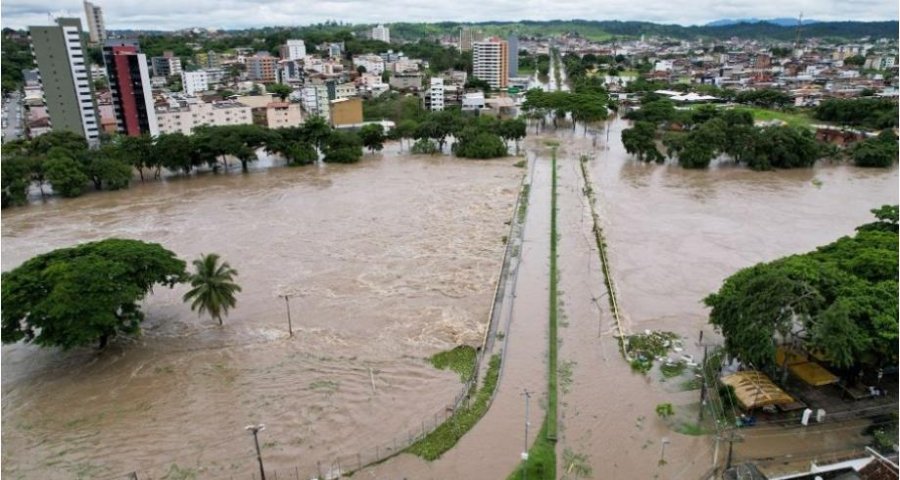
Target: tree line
{"type": "Point", "coordinates": [839, 300]}
{"type": "Point", "coordinates": [696, 137]}
{"type": "Point", "coordinates": [583, 106]}
{"type": "Point", "coordinates": [64, 161]}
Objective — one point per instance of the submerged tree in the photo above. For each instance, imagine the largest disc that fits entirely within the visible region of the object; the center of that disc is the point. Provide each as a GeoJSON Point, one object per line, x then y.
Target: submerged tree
{"type": "Point", "coordinates": [840, 300]}
{"type": "Point", "coordinates": [80, 295]}
{"type": "Point", "coordinates": [213, 287]}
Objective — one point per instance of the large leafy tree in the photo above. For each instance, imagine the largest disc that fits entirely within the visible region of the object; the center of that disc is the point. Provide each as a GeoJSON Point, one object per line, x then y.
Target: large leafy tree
{"type": "Point", "coordinates": [84, 294]}
{"type": "Point", "coordinates": [372, 136]}
{"type": "Point", "coordinates": [840, 300]}
{"type": "Point", "coordinates": [640, 141]}
{"type": "Point", "coordinates": [212, 287]}
{"type": "Point", "coordinates": [64, 173]}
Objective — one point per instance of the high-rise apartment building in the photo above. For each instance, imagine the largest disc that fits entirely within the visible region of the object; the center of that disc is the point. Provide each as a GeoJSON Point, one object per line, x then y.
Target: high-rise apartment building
{"type": "Point", "coordinates": [468, 36]}
{"type": "Point", "coordinates": [381, 33]}
{"type": "Point", "coordinates": [166, 65]}
{"type": "Point", "coordinates": [490, 62]}
{"type": "Point", "coordinates": [95, 23]}
{"type": "Point", "coordinates": [293, 50]}
{"type": "Point", "coordinates": [261, 67]}
{"type": "Point", "coordinates": [67, 83]}
{"type": "Point", "coordinates": [436, 94]}
{"type": "Point", "coordinates": [194, 82]}
{"type": "Point", "coordinates": [129, 83]}
{"type": "Point", "coordinates": [513, 43]}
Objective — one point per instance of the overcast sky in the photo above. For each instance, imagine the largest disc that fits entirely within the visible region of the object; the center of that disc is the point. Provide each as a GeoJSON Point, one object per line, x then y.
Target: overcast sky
{"type": "Point", "coordinates": [175, 14]}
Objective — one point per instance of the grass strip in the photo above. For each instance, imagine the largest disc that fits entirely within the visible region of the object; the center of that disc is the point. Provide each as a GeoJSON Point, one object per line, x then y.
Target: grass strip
{"type": "Point", "coordinates": [461, 360]}
{"type": "Point", "coordinates": [554, 311]}
{"type": "Point", "coordinates": [541, 462]}
{"type": "Point", "coordinates": [444, 437]}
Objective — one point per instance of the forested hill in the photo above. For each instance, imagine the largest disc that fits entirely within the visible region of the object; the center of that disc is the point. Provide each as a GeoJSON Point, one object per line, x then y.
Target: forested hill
{"type": "Point", "coordinates": [604, 29]}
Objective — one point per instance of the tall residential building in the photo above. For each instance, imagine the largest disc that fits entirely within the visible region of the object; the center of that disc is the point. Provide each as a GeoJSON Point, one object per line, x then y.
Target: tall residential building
{"type": "Point", "coordinates": [315, 100]}
{"type": "Point", "coordinates": [166, 65]}
{"type": "Point", "coordinates": [490, 62]}
{"type": "Point", "coordinates": [261, 67]}
{"type": "Point", "coordinates": [467, 37]}
{"type": "Point", "coordinates": [195, 82]}
{"type": "Point", "coordinates": [293, 50]}
{"type": "Point", "coordinates": [95, 23]}
{"type": "Point", "coordinates": [209, 59]}
{"type": "Point", "coordinates": [436, 94]}
{"type": "Point", "coordinates": [129, 83]}
{"type": "Point", "coordinates": [60, 57]}
{"type": "Point", "coordinates": [381, 33]}
{"type": "Point", "coordinates": [513, 43]}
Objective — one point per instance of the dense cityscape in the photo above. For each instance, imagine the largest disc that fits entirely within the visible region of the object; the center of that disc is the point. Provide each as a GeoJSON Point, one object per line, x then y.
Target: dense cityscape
{"type": "Point", "coordinates": [536, 249]}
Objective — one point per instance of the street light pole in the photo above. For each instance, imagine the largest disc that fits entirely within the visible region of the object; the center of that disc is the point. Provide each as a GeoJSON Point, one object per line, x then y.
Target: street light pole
{"type": "Point", "coordinates": [287, 303]}
{"type": "Point", "coordinates": [662, 455]}
{"type": "Point", "coordinates": [525, 451]}
{"type": "Point", "coordinates": [255, 429]}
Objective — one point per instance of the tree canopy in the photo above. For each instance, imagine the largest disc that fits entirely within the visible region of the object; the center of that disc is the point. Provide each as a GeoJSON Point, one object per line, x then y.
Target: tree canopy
{"type": "Point", "coordinates": [839, 300]}
{"type": "Point", "coordinates": [84, 294]}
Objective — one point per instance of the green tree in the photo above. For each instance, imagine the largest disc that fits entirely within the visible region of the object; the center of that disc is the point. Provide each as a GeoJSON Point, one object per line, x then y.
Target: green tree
{"type": "Point", "coordinates": [475, 143]}
{"type": "Point", "coordinates": [406, 129]}
{"type": "Point", "coordinates": [173, 151]}
{"type": "Point", "coordinates": [880, 151]}
{"type": "Point", "coordinates": [855, 60]}
{"type": "Point", "coordinates": [301, 153]}
{"type": "Point", "coordinates": [640, 140]}
{"type": "Point", "coordinates": [80, 295]}
{"type": "Point", "coordinates": [105, 167]}
{"type": "Point", "coordinates": [372, 136]}
{"type": "Point", "coordinates": [425, 146]}
{"type": "Point", "coordinates": [343, 147]}
{"type": "Point", "coordinates": [840, 300]}
{"type": "Point", "coordinates": [64, 173]}
{"type": "Point", "coordinates": [212, 287]}
{"type": "Point", "coordinates": [15, 179]}
{"type": "Point", "coordinates": [280, 90]}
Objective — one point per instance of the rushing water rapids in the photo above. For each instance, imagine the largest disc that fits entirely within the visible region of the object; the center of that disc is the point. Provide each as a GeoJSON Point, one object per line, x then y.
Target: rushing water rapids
{"type": "Point", "coordinates": [389, 261]}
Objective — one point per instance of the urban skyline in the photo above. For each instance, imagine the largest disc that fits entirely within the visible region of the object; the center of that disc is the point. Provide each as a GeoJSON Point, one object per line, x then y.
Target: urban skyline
{"type": "Point", "coordinates": [170, 15]}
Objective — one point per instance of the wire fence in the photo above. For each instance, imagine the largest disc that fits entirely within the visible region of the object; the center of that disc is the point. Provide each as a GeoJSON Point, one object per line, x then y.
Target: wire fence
{"type": "Point", "coordinates": [343, 464]}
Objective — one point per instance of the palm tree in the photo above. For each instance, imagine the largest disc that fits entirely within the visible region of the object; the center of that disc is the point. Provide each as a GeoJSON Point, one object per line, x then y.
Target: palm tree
{"type": "Point", "coordinates": [213, 287]}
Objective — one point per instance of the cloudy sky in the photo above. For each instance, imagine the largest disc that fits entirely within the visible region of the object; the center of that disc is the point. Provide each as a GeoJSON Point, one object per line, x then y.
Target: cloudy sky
{"type": "Point", "coordinates": [175, 14]}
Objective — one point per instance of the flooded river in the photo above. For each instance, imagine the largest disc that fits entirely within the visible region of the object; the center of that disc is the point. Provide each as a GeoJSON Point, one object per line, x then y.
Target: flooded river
{"type": "Point", "coordinates": [388, 261]}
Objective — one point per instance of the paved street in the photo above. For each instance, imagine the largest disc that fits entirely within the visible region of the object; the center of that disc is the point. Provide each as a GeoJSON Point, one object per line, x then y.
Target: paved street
{"type": "Point", "coordinates": [13, 116]}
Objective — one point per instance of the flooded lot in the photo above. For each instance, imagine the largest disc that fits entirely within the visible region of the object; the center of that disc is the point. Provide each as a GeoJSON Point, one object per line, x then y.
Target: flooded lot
{"type": "Point", "coordinates": [388, 261]}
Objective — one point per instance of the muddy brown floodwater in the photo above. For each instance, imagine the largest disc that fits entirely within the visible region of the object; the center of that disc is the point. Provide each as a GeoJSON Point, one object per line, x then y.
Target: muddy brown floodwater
{"type": "Point", "coordinates": [389, 261]}
{"type": "Point", "coordinates": [673, 235]}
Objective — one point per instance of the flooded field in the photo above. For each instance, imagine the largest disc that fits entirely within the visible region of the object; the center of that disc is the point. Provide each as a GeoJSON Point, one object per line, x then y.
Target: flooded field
{"type": "Point", "coordinates": [388, 261]}
{"type": "Point", "coordinates": [674, 234]}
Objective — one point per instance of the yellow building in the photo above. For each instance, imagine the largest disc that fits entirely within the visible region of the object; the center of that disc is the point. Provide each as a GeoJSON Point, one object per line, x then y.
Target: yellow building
{"type": "Point", "coordinates": [346, 111]}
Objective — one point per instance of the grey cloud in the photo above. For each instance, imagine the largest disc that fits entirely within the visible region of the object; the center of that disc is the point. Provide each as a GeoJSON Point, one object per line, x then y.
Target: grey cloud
{"type": "Point", "coordinates": [174, 14]}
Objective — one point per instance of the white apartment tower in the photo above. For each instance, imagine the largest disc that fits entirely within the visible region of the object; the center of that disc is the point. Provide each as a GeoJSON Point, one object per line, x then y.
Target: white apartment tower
{"type": "Point", "coordinates": [95, 23]}
{"type": "Point", "coordinates": [436, 94]}
{"type": "Point", "coordinates": [490, 62]}
{"type": "Point", "coordinates": [293, 50]}
{"type": "Point", "coordinates": [381, 33]}
{"type": "Point", "coordinates": [194, 82]}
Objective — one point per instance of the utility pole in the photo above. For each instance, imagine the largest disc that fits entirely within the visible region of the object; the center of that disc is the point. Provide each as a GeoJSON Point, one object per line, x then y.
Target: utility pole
{"type": "Point", "coordinates": [662, 454]}
{"type": "Point", "coordinates": [255, 429]}
{"type": "Point", "coordinates": [525, 451]}
{"type": "Point", "coordinates": [287, 303]}
{"type": "Point", "coordinates": [731, 440]}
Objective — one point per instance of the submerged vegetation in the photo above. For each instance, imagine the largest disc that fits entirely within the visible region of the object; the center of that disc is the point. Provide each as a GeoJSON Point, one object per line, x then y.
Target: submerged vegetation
{"type": "Point", "coordinates": [445, 436]}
